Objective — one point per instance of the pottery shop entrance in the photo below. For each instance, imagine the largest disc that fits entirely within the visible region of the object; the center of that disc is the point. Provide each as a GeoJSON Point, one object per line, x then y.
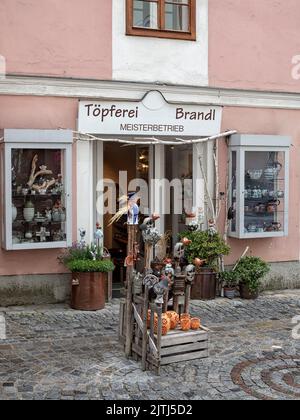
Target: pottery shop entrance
{"type": "Point", "coordinates": [123, 167]}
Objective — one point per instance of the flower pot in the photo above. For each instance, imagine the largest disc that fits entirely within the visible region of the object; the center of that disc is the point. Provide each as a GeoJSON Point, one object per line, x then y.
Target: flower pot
{"type": "Point", "coordinates": [185, 324]}
{"type": "Point", "coordinates": [88, 291]}
{"type": "Point", "coordinates": [205, 285]}
{"type": "Point", "coordinates": [195, 323]}
{"type": "Point", "coordinates": [174, 319]}
{"type": "Point", "coordinates": [246, 293]}
{"type": "Point", "coordinates": [229, 292]}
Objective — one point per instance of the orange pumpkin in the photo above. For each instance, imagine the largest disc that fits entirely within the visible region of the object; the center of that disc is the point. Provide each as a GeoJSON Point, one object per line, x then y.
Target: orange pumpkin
{"type": "Point", "coordinates": [165, 323]}
{"type": "Point", "coordinates": [164, 330]}
{"type": "Point", "coordinates": [195, 323]}
{"type": "Point", "coordinates": [174, 319]}
{"type": "Point", "coordinates": [182, 316]}
{"type": "Point", "coordinates": [185, 324]}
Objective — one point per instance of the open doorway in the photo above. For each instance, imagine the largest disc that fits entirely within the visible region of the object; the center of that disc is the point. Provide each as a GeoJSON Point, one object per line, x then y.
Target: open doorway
{"type": "Point", "coordinates": [135, 162]}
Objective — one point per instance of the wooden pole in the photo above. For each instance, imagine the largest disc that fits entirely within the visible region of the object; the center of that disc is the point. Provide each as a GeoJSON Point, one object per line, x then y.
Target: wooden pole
{"type": "Point", "coordinates": [145, 330]}
{"type": "Point", "coordinates": [132, 236]}
{"type": "Point", "coordinates": [187, 299]}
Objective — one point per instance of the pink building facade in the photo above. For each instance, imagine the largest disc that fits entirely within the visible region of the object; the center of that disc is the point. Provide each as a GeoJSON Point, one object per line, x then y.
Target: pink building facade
{"type": "Point", "coordinates": [59, 57]}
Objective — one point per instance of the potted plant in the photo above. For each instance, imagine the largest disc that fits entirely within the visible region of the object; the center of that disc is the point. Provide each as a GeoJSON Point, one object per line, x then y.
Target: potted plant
{"type": "Point", "coordinates": [89, 280]}
{"type": "Point", "coordinates": [204, 251]}
{"type": "Point", "coordinates": [229, 281]}
{"type": "Point", "coordinates": [250, 271]}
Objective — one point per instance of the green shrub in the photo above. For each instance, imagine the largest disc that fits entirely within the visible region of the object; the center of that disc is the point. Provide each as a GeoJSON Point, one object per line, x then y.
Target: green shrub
{"type": "Point", "coordinates": [206, 247]}
{"type": "Point", "coordinates": [90, 266]}
{"type": "Point", "coordinates": [250, 272]}
{"type": "Point", "coordinates": [229, 278]}
{"type": "Point", "coordinates": [78, 252]}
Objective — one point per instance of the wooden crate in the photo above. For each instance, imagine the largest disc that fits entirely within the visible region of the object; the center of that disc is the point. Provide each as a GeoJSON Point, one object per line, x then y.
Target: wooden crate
{"type": "Point", "coordinates": [180, 346]}
{"type": "Point", "coordinates": [177, 346]}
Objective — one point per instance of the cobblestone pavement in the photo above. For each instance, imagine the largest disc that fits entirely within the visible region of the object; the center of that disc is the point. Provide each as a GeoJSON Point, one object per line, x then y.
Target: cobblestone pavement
{"type": "Point", "coordinates": [56, 353]}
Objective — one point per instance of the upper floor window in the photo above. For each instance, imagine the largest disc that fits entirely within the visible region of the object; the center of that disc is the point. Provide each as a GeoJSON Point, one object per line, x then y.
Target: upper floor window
{"type": "Point", "coordinates": [162, 18]}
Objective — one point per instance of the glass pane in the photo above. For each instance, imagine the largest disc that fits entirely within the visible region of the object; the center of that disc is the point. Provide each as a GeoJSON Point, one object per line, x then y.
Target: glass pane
{"type": "Point", "coordinates": [179, 200]}
{"type": "Point", "coordinates": [232, 210]}
{"type": "Point", "coordinates": [38, 198]}
{"type": "Point", "coordinates": [177, 16]}
{"type": "Point", "coordinates": [145, 14]}
{"type": "Point", "coordinates": [264, 192]}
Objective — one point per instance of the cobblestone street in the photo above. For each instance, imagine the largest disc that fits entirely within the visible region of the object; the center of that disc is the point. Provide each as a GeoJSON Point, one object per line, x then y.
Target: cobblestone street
{"type": "Point", "coordinates": [55, 353]}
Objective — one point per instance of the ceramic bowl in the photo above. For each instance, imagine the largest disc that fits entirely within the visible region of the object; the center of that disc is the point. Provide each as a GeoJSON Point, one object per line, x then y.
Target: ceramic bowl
{"type": "Point", "coordinates": [255, 174]}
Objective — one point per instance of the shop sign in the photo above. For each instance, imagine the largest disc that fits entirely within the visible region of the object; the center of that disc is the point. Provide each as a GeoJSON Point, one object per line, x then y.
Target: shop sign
{"type": "Point", "coordinates": [153, 116]}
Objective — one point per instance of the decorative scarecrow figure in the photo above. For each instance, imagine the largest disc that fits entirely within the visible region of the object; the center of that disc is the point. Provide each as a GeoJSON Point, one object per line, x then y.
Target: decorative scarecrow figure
{"type": "Point", "coordinates": [129, 207]}
{"type": "Point", "coordinates": [133, 209]}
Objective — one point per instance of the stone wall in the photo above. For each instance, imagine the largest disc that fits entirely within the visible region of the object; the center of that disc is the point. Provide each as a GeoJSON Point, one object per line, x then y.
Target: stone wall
{"type": "Point", "coordinates": [34, 289]}
{"type": "Point", "coordinates": [55, 288]}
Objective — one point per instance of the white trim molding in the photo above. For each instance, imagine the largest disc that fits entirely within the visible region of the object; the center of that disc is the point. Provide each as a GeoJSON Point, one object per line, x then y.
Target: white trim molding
{"type": "Point", "coordinates": [131, 91]}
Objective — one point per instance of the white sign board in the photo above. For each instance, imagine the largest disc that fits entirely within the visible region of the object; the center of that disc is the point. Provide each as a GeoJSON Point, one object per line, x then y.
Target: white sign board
{"type": "Point", "coordinates": [153, 116]}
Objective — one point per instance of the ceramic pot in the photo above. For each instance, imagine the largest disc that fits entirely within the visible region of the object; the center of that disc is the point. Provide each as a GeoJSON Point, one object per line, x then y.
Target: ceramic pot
{"type": "Point", "coordinates": [29, 211]}
{"type": "Point", "coordinates": [183, 316]}
{"type": "Point", "coordinates": [56, 216]}
{"type": "Point", "coordinates": [247, 294]}
{"type": "Point", "coordinates": [272, 206]}
{"type": "Point", "coordinates": [88, 291]}
{"type": "Point", "coordinates": [28, 235]}
{"type": "Point", "coordinates": [272, 171]}
{"type": "Point", "coordinates": [195, 323]}
{"type": "Point", "coordinates": [165, 324]}
{"type": "Point", "coordinates": [255, 174]}
{"type": "Point", "coordinates": [185, 324]}
{"type": "Point", "coordinates": [229, 292]}
{"type": "Point", "coordinates": [14, 212]}
{"type": "Point", "coordinates": [174, 319]}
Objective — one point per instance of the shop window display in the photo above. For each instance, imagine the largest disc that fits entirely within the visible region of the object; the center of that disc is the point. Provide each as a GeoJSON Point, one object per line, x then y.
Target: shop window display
{"type": "Point", "coordinates": [259, 187]}
{"type": "Point", "coordinates": [36, 196]}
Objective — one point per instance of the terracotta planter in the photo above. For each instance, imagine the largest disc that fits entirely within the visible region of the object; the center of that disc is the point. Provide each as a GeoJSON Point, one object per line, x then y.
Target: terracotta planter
{"type": "Point", "coordinates": [247, 294]}
{"type": "Point", "coordinates": [182, 316]}
{"type": "Point", "coordinates": [174, 319]}
{"type": "Point", "coordinates": [229, 292]}
{"type": "Point", "coordinates": [205, 285]}
{"type": "Point", "coordinates": [88, 291]}
{"type": "Point", "coordinates": [165, 324]}
{"type": "Point", "coordinates": [195, 323]}
{"type": "Point", "coordinates": [185, 324]}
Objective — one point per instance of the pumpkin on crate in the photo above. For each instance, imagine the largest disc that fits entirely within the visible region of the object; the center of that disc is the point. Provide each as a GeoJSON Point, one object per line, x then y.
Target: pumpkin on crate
{"type": "Point", "coordinates": [183, 316]}
{"type": "Point", "coordinates": [174, 319]}
{"type": "Point", "coordinates": [195, 323]}
{"type": "Point", "coordinates": [185, 324]}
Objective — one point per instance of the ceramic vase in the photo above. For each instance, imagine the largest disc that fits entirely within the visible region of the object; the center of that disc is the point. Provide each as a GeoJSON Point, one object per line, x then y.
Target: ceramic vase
{"type": "Point", "coordinates": [29, 211]}
{"type": "Point", "coordinates": [195, 323]}
{"type": "Point", "coordinates": [62, 216]}
{"type": "Point", "coordinates": [56, 215]}
{"type": "Point", "coordinates": [174, 319]}
{"type": "Point", "coordinates": [185, 324]}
